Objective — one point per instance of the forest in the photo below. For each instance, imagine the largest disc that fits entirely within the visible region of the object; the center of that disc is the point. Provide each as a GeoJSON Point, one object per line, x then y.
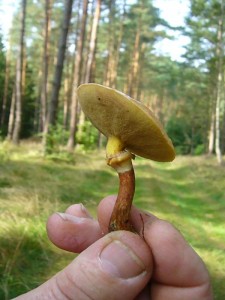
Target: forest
{"type": "Point", "coordinates": [54, 46]}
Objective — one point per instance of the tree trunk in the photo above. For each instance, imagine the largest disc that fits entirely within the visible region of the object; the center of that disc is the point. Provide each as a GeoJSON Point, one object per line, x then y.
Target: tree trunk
{"type": "Point", "coordinates": [115, 34]}
{"type": "Point", "coordinates": [139, 79]}
{"type": "Point", "coordinates": [77, 77]}
{"type": "Point", "coordinates": [217, 122]}
{"type": "Point", "coordinates": [24, 72]}
{"type": "Point", "coordinates": [223, 131]}
{"type": "Point", "coordinates": [132, 76]}
{"type": "Point", "coordinates": [11, 116]}
{"type": "Point", "coordinates": [113, 76]}
{"type": "Point", "coordinates": [66, 102]}
{"type": "Point", "coordinates": [93, 39]}
{"type": "Point", "coordinates": [70, 65]}
{"type": "Point", "coordinates": [6, 86]}
{"type": "Point", "coordinates": [53, 106]}
{"type": "Point", "coordinates": [19, 78]}
{"type": "Point", "coordinates": [212, 134]}
{"type": "Point", "coordinates": [111, 41]}
{"type": "Point", "coordinates": [53, 103]}
{"type": "Point", "coordinates": [91, 54]}
{"type": "Point", "coordinates": [37, 116]}
{"type": "Point", "coordinates": [220, 85]}
{"type": "Point", "coordinates": [45, 64]}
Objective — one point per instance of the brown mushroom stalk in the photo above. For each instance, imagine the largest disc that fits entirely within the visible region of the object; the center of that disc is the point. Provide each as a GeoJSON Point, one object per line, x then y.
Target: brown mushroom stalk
{"type": "Point", "coordinates": [121, 162]}
{"type": "Point", "coordinates": [131, 129]}
{"type": "Point", "coordinates": [120, 218]}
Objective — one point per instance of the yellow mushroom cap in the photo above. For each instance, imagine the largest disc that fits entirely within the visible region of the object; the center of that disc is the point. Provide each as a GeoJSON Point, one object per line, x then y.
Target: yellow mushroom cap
{"type": "Point", "coordinates": [116, 114]}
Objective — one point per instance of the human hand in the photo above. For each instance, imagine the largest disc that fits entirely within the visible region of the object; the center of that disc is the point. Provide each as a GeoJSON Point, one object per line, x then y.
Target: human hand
{"type": "Point", "coordinates": [122, 265]}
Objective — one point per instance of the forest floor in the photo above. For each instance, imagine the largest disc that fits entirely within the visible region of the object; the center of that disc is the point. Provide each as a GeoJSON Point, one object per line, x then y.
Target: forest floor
{"type": "Point", "coordinates": [190, 193]}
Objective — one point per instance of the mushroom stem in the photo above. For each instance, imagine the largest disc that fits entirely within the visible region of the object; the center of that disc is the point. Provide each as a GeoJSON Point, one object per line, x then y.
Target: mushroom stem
{"type": "Point", "coordinates": [120, 160]}
{"type": "Point", "coordinates": [120, 218]}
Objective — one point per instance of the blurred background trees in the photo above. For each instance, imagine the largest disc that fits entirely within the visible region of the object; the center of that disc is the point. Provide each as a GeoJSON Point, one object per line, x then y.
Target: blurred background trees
{"type": "Point", "coordinates": [111, 42]}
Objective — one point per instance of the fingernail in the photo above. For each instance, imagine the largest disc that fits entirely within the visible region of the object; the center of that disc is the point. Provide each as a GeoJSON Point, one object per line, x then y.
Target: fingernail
{"type": "Point", "coordinates": [70, 218]}
{"type": "Point", "coordinates": [85, 211]}
{"type": "Point", "coordinates": [120, 261]}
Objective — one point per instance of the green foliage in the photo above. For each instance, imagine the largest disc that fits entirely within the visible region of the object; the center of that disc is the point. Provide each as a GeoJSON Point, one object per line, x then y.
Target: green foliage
{"type": "Point", "coordinates": [185, 140]}
{"type": "Point", "coordinates": [56, 139]}
{"type": "Point", "coordinates": [62, 156]}
{"type": "Point", "coordinates": [179, 132]}
{"type": "Point", "coordinates": [87, 136]}
{"type": "Point", "coordinates": [2, 70]}
{"type": "Point", "coordinates": [200, 149]}
{"type": "Point", "coordinates": [29, 102]}
{"type": "Point", "coordinates": [188, 192]}
{"type": "Point", "coordinates": [55, 145]}
{"type": "Point", "coordinates": [4, 152]}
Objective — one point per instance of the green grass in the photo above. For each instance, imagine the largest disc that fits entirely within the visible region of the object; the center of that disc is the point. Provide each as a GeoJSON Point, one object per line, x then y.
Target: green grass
{"type": "Point", "coordinates": [190, 193]}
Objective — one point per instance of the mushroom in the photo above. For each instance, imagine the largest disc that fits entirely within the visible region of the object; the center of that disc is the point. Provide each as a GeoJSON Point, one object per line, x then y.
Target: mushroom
{"type": "Point", "coordinates": [131, 129]}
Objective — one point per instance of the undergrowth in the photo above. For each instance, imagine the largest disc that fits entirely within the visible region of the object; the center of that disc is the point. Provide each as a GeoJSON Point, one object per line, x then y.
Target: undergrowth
{"type": "Point", "coordinates": [188, 192]}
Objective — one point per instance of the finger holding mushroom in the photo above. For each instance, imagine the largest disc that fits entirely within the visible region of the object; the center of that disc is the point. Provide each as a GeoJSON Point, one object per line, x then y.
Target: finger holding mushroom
{"type": "Point", "coordinates": [131, 129]}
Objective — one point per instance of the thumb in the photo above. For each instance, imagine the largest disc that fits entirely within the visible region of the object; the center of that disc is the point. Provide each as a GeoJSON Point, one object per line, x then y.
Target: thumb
{"type": "Point", "coordinates": [117, 266]}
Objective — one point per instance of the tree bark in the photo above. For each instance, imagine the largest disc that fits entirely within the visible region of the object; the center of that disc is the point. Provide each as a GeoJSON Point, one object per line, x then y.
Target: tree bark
{"type": "Point", "coordinates": [53, 104]}
{"type": "Point", "coordinates": [111, 41]}
{"type": "Point", "coordinates": [91, 54]}
{"type": "Point", "coordinates": [37, 115]}
{"type": "Point", "coordinates": [66, 102]}
{"type": "Point", "coordinates": [77, 77]}
{"type": "Point", "coordinates": [45, 64]}
{"type": "Point", "coordinates": [6, 86]}
{"type": "Point", "coordinates": [212, 134]}
{"type": "Point", "coordinates": [11, 116]}
{"type": "Point", "coordinates": [19, 78]}
{"type": "Point", "coordinates": [113, 76]}
{"type": "Point", "coordinates": [132, 76]}
{"type": "Point", "coordinates": [93, 39]}
{"type": "Point", "coordinates": [220, 84]}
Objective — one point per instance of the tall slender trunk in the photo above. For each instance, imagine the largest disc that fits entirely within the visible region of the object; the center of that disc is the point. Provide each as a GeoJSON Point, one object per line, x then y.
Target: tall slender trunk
{"type": "Point", "coordinates": [70, 65]}
{"type": "Point", "coordinates": [77, 77]}
{"type": "Point", "coordinates": [132, 76]}
{"type": "Point", "coordinates": [91, 54]}
{"type": "Point", "coordinates": [19, 78]}
{"type": "Point", "coordinates": [139, 80]}
{"type": "Point", "coordinates": [37, 116]}
{"type": "Point", "coordinates": [93, 39]}
{"type": "Point", "coordinates": [115, 34]}
{"type": "Point", "coordinates": [53, 106]}
{"type": "Point", "coordinates": [6, 87]}
{"type": "Point", "coordinates": [111, 41]}
{"type": "Point", "coordinates": [220, 84]}
{"type": "Point", "coordinates": [223, 132]}
{"type": "Point", "coordinates": [66, 103]}
{"type": "Point", "coordinates": [23, 83]}
{"type": "Point", "coordinates": [11, 115]}
{"type": "Point", "coordinates": [212, 134]}
{"type": "Point", "coordinates": [113, 80]}
{"type": "Point", "coordinates": [45, 63]}
{"type": "Point", "coordinates": [217, 121]}
{"type": "Point", "coordinates": [53, 103]}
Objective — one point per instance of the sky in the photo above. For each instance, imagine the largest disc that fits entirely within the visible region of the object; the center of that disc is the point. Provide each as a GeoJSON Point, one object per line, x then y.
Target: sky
{"type": "Point", "coordinates": [173, 11]}
{"type": "Point", "coordinates": [6, 14]}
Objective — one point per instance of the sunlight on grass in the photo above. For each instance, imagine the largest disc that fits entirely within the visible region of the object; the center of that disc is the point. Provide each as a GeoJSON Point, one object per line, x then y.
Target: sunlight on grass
{"type": "Point", "coordinates": [188, 192]}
